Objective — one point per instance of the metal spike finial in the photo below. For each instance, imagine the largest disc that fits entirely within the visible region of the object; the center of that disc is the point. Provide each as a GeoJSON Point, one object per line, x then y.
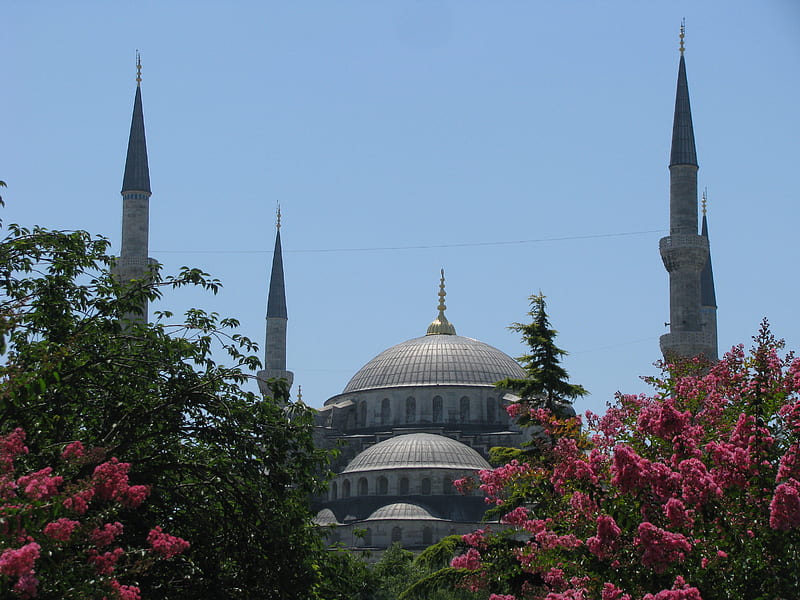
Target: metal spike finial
{"type": "Point", "coordinates": [300, 394]}
{"type": "Point", "coordinates": [440, 325]}
{"type": "Point", "coordinates": [704, 200]}
{"type": "Point", "coordinates": [442, 293]}
{"type": "Point", "coordinates": [278, 219]}
{"type": "Point", "coordinates": [138, 69]}
{"type": "Point", "coordinates": [683, 35]}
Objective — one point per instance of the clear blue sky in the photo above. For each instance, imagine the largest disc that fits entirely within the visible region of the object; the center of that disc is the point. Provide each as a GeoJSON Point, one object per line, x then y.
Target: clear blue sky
{"type": "Point", "coordinates": [522, 146]}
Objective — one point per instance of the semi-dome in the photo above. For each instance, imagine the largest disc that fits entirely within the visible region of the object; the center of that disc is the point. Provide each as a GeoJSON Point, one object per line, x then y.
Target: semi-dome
{"type": "Point", "coordinates": [401, 510]}
{"type": "Point", "coordinates": [435, 360]}
{"type": "Point", "coordinates": [417, 451]}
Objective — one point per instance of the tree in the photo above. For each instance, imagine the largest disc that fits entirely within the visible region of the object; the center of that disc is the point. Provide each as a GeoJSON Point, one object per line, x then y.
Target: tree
{"type": "Point", "coordinates": [546, 382]}
{"type": "Point", "coordinates": [692, 493]}
{"type": "Point", "coordinates": [228, 471]}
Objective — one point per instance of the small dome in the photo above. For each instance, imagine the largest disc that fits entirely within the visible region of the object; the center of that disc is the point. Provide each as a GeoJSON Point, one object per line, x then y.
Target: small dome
{"type": "Point", "coordinates": [325, 517]}
{"type": "Point", "coordinates": [436, 360]}
{"type": "Point", "coordinates": [417, 451]}
{"type": "Point", "coordinates": [401, 510]}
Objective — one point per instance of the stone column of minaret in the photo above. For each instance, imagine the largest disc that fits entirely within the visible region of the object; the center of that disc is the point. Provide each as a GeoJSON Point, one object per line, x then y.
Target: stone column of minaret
{"type": "Point", "coordinates": [684, 252]}
{"type": "Point", "coordinates": [275, 345]}
{"type": "Point", "coordinates": [133, 262]}
{"type": "Point", "coordinates": [708, 295]}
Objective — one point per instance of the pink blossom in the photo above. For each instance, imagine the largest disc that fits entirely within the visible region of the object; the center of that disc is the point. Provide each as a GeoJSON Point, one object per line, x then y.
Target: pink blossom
{"type": "Point", "coordinates": [40, 485]}
{"type": "Point", "coordinates": [105, 563]}
{"type": "Point", "coordinates": [628, 469]}
{"type": "Point", "coordinates": [111, 479]}
{"type": "Point", "coordinates": [784, 510]}
{"type": "Point", "coordinates": [502, 597]}
{"type": "Point", "coordinates": [105, 535]}
{"type": "Point", "coordinates": [134, 496]}
{"type": "Point", "coordinates": [677, 514]}
{"type": "Point", "coordinates": [164, 544]}
{"type": "Point", "coordinates": [476, 539]}
{"type": "Point", "coordinates": [125, 592]}
{"type": "Point", "coordinates": [73, 451]}
{"type": "Point", "coordinates": [612, 592]}
{"type": "Point", "coordinates": [661, 547]}
{"type": "Point", "coordinates": [516, 517]}
{"type": "Point", "coordinates": [79, 502]}
{"type": "Point", "coordinates": [680, 591]}
{"type": "Point", "coordinates": [470, 560]}
{"type": "Point", "coordinates": [606, 541]}
{"type": "Point", "coordinates": [16, 562]}
{"type": "Point", "coordinates": [60, 529]}
{"type": "Point", "coordinates": [698, 486]}
{"type": "Point", "coordinates": [555, 579]}
{"type": "Point", "coordinates": [27, 586]}
{"type": "Point", "coordinates": [11, 446]}
{"type": "Point", "coordinates": [663, 419]}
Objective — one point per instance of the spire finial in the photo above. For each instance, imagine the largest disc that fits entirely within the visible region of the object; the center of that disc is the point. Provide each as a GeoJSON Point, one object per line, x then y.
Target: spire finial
{"type": "Point", "coordinates": [278, 220]}
{"type": "Point", "coordinates": [683, 34]}
{"type": "Point", "coordinates": [704, 200]}
{"type": "Point", "coordinates": [299, 394]}
{"type": "Point", "coordinates": [138, 69]}
{"type": "Point", "coordinates": [440, 325]}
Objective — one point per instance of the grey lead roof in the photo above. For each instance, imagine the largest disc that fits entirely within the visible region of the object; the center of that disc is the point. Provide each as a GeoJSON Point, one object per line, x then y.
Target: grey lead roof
{"type": "Point", "coordinates": [276, 301]}
{"type": "Point", "coordinates": [137, 173]}
{"type": "Point", "coordinates": [417, 451]}
{"type": "Point", "coordinates": [402, 511]}
{"type": "Point", "coordinates": [683, 150]}
{"type": "Point", "coordinates": [435, 360]}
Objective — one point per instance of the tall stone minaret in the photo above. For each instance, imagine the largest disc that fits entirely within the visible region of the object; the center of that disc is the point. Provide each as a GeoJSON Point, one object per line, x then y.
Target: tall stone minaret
{"type": "Point", "coordinates": [133, 262]}
{"type": "Point", "coordinates": [684, 252]}
{"type": "Point", "coordinates": [708, 294]}
{"type": "Point", "coordinates": [277, 318]}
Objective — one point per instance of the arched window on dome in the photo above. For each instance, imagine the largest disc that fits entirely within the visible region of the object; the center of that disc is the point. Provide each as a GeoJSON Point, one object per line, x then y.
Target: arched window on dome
{"type": "Point", "coordinates": [427, 536]}
{"type": "Point", "coordinates": [363, 486]}
{"type": "Point", "coordinates": [397, 534]}
{"type": "Point", "coordinates": [425, 487]}
{"type": "Point", "coordinates": [437, 409]}
{"type": "Point", "coordinates": [464, 412]}
{"type": "Point", "coordinates": [363, 413]}
{"type": "Point", "coordinates": [386, 412]}
{"type": "Point", "coordinates": [491, 410]}
{"type": "Point", "coordinates": [368, 537]}
{"type": "Point", "coordinates": [346, 488]}
{"type": "Point", "coordinates": [383, 486]}
{"type": "Point", "coordinates": [447, 486]}
{"type": "Point", "coordinates": [411, 410]}
{"type": "Point", "coordinates": [403, 487]}
{"type": "Point", "coordinates": [334, 490]}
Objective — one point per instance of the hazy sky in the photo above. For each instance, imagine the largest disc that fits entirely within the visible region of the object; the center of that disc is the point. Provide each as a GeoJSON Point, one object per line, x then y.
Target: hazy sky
{"type": "Point", "coordinates": [522, 146]}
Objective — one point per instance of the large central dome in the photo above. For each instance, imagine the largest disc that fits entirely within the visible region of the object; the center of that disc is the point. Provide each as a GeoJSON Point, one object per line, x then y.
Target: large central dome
{"type": "Point", "coordinates": [435, 360]}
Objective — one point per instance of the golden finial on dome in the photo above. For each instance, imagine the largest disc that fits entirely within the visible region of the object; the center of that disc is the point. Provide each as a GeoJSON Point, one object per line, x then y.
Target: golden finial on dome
{"type": "Point", "coordinates": [138, 69]}
{"type": "Point", "coordinates": [683, 34]}
{"type": "Point", "coordinates": [704, 200]}
{"type": "Point", "coordinates": [440, 325]}
{"type": "Point", "coordinates": [278, 222]}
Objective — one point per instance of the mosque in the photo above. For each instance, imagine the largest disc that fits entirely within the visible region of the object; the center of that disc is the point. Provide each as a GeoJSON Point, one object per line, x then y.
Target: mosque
{"type": "Point", "coordinates": [425, 412]}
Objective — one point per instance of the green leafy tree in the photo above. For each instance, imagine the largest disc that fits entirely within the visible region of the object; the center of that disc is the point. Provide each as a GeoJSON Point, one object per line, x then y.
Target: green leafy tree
{"type": "Point", "coordinates": [227, 470]}
{"type": "Point", "coordinates": [546, 382]}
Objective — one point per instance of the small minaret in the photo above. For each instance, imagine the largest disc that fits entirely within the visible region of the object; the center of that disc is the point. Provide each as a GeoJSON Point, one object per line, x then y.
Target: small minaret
{"type": "Point", "coordinates": [440, 325]}
{"type": "Point", "coordinates": [708, 295]}
{"type": "Point", "coordinates": [684, 252]}
{"type": "Point", "coordinates": [275, 344]}
{"type": "Point", "coordinates": [133, 262]}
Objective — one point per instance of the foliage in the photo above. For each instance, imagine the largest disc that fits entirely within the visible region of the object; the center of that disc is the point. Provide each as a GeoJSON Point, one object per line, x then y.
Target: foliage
{"type": "Point", "coordinates": [546, 381]}
{"type": "Point", "coordinates": [692, 493]}
{"type": "Point", "coordinates": [227, 470]}
{"type": "Point", "coordinates": [59, 533]}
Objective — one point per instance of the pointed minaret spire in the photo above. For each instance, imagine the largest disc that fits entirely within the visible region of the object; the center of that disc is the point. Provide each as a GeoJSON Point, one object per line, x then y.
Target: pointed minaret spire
{"type": "Point", "coordinates": [133, 262]}
{"type": "Point", "coordinates": [440, 325]}
{"type": "Point", "coordinates": [684, 252]}
{"type": "Point", "coordinates": [277, 320]}
{"type": "Point", "coordinates": [708, 295]}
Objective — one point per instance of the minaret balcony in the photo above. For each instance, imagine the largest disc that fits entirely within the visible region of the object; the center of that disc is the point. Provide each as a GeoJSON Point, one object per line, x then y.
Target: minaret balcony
{"type": "Point", "coordinates": [684, 252]}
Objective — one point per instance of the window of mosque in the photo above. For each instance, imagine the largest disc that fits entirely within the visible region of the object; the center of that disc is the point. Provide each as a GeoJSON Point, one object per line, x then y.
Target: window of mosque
{"type": "Point", "coordinates": [346, 488]}
{"type": "Point", "coordinates": [427, 536]}
{"type": "Point", "coordinates": [397, 534]}
{"type": "Point", "coordinates": [464, 406]}
{"type": "Point", "coordinates": [491, 410]}
{"type": "Point", "coordinates": [426, 487]}
{"type": "Point", "coordinates": [411, 410]}
{"type": "Point", "coordinates": [363, 416]}
{"type": "Point", "coordinates": [362, 486]}
{"type": "Point", "coordinates": [447, 486]}
{"type": "Point", "coordinates": [437, 409]}
{"type": "Point", "coordinates": [368, 537]}
{"type": "Point", "coordinates": [403, 486]}
{"type": "Point", "coordinates": [383, 486]}
{"type": "Point", "coordinates": [386, 412]}
{"type": "Point", "coordinates": [334, 490]}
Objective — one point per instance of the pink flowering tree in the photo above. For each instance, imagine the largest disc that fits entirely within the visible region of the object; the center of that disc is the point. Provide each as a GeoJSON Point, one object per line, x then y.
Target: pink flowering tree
{"type": "Point", "coordinates": [691, 493]}
{"type": "Point", "coordinates": [59, 533]}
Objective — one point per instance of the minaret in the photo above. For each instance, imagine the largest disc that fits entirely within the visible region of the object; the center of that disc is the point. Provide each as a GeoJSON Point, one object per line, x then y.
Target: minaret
{"type": "Point", "coordinates": [440, 325]}
{"type": "Point", "coordinates": [275, 345]}
{"type": "Point", "coordinates": [708, 295]}
{"type": "Point", "coordinates": [684, 252]}
{"type": "Point", "coordinates": [133, 262]}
